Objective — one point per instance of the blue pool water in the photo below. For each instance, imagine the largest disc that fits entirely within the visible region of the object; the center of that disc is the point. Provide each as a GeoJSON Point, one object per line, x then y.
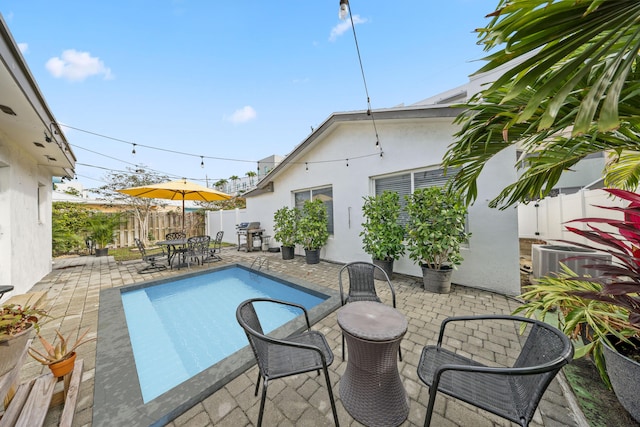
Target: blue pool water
{"type": "Point", "coordinates": [181, 328]}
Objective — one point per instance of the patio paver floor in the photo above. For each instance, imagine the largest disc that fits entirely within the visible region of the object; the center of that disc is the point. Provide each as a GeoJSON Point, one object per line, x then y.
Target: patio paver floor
{"type": "Point", "coordinates": [73, 289]}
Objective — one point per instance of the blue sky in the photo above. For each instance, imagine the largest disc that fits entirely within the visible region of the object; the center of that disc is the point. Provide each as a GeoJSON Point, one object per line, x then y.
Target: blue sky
{"type": "Point", "coordinates": [237, 80]}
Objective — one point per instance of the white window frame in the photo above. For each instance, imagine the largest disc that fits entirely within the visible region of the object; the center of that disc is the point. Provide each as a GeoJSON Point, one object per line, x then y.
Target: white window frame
{"type": "Point", "coordinates": [299, 198]}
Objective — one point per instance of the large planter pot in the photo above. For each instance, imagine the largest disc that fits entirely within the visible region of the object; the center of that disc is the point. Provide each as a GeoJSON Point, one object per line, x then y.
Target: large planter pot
{"type": "Point", "coordinates": [102, 252]}
{"type": "Point", "coordinates": [11, 349]}
{"type": "Point", "coordinates": [63, 367]}
{"type": "Point", "coordinates": [312, 256]}
{"type": "Point", "coordinates": [624, 374]}
{"type": "Point", "coordinates": [438, 281]}
{"type": "Point", "coordinates": [288, 252]}
{"type": "Point", "coordinates": [387, 266]}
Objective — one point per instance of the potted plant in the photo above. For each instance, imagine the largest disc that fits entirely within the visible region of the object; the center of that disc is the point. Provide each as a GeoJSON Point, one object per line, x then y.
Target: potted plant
{"type": "Point", "coordinates": [285, 222]}
{"type": "Point", "coordinates": [101, 227]}
{"type": "Point", "coordinates": [60, 357]}
{"type": "Point", "coordinates": [382, 235]}
{"type": "Point", "coordinates": [603, 308]}
{"type": "Point", "coordinates": [16, 324]}
{"type": "Point", "coordinates": [312, 232]}
{"type": "Point", "coordinates": [435, 231]}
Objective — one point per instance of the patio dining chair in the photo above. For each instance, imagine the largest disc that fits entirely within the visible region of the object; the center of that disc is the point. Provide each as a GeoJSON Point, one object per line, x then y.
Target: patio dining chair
{"type": "Point", "coordinates": [178, 251]}
{"type": "Point", "coordinates": [362, 287]}
{"type": "Point", "coordinates": [197, 249]}
{"type": "Point", "coordinates": [278, 358]}
{"type": "Point", "coordinates": [215, 249]}
{"type": "Point", "coordinates": [154, 259]}
{"type": "Point", "coordinates": [511, 392]}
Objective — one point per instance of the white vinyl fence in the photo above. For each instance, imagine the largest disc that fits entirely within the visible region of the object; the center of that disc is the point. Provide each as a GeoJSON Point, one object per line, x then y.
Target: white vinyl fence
{"type": "Point", "coordinates": [546, 218]}
{"type": "Point", "coordinates": [225, 220]}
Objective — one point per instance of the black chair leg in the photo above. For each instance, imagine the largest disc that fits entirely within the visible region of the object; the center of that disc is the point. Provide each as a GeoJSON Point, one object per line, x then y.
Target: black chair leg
{"type": "Point", "coordinates": [342, 346]}
{"type": "Point", "coordinates": [258, 383]}
{"type": "Point", "coordinates": [264, 397]}
{"type": "Point", "coordinates": [432, 401]}
{"type": "Point", "coordinates": [331, 399]}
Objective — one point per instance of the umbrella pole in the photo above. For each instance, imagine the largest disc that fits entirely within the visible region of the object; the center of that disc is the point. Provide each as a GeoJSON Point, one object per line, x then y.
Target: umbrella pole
{"type": "Point", "coordinates": [183, 230]}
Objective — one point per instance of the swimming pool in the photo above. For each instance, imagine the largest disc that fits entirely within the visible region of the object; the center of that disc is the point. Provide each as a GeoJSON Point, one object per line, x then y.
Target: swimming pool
{"type": "Point", "coordinates": [119, 399]}
{"type": "Point", "coordinates": [189, 341]}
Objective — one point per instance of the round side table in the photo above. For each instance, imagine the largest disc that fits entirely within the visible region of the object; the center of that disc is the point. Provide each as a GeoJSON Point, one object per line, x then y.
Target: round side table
{"type": "Point", "coordinates": [371, 389]}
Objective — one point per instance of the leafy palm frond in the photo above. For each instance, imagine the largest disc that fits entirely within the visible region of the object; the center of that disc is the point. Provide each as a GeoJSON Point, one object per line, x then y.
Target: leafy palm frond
{"type": "Point", "coordinates": [573, 93]}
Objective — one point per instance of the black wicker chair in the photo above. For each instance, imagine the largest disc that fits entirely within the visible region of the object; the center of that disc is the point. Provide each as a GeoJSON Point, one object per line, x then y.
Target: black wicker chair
{"type": "Point", "coordinates": [509, 392]}
{"type": "Point", "coordinates": [362, 286]}
{"type": "Point", "coordinates": [279, 358]}
{"type": "Point", "coordinates": [154, 259]}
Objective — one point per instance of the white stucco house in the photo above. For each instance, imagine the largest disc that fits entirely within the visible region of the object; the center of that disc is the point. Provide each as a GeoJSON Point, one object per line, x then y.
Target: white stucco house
{"type": "Point", "coordinates": [33, 150]}
{"type": "Point", "coordinates": [341, 163]}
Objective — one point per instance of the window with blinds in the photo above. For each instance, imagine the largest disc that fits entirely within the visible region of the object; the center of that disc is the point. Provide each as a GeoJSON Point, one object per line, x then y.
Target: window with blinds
{"type": "Point", "coordinates": [325, 194]}
{"type": "Point", "coordinates": [404, 184]}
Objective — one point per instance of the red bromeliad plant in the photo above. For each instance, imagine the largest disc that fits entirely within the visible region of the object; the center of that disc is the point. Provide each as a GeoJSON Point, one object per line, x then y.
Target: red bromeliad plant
{"type": "Point", "coordinates": [620, 280]}
{"type": "Point", "coordinates": [605, 307]}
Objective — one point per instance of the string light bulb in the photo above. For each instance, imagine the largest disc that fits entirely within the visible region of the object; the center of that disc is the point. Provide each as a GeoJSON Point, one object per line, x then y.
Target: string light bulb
{"type": "Point", "coordinates": [344, 9]}
{"type": "Point", "coordinates": [202, 162]}
{"type": "Point", "coordinates": [133, 151]}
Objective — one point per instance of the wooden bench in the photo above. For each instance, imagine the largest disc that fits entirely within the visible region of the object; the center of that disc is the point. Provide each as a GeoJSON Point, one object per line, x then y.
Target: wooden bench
{"type": "Point", "coordinates": [28, 404]}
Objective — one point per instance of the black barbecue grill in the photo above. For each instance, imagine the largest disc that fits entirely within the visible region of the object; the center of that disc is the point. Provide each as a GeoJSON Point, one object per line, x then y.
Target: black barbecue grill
{"type": "Point", "coordinates": [248, 233]}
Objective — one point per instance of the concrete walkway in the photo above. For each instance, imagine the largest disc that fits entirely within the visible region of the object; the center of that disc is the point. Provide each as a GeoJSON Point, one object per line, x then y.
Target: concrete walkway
{"type": "Point", "coordinates": [73, 290]}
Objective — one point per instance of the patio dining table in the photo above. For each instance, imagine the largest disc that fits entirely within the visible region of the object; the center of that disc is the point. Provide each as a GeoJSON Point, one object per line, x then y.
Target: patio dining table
{"type": "Point", "coordinates": [174, 247]}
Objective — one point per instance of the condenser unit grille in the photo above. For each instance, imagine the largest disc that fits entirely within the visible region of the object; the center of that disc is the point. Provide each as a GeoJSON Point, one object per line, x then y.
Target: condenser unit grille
{"type": "Point", "coordinates": [546, 259]}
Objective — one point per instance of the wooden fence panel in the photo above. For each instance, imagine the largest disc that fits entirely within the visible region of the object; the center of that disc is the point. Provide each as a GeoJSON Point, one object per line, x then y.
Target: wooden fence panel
{"type": "Point", "coordinates": [160, 223]}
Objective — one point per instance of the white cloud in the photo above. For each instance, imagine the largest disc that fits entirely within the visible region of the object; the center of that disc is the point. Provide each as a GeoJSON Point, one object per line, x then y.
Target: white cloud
{"type": "Point", "coordinates": [242, 115]}
{"type": "Point", "coordinates": [77, 66]}
{"type": "Point", "coordinates": [345, 25]}
{"type": "Point", "coordinates": [24, 47]}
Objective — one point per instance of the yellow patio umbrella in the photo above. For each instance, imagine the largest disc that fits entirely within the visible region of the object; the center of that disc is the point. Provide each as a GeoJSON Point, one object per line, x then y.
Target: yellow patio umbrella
{"type": "Point", "coordinates": [180, 189]}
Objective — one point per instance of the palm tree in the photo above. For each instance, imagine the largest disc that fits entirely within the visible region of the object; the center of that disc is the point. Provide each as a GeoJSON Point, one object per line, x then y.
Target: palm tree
{"type": "Point", "coordinates": [220, 184]}
{"type": "Point", "coordinates": [251, 175]}
{"type": "Point", "coordinates": [234, 179]}
{"type": "Point", "coordinates": [574, 93]}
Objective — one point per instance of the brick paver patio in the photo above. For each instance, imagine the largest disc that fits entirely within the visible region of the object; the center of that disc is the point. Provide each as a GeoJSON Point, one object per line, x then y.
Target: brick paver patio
{"type": "Point", "coordinates": [73, 289]}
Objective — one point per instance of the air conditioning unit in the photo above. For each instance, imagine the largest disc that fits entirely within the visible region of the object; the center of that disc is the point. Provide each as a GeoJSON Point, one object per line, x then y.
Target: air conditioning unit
{"type": "Point", "coordinates": [546, 259]}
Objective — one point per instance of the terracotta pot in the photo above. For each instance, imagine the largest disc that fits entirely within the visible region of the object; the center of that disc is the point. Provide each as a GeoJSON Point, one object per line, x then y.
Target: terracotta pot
{"type": "Point", "coordinates": [11, 349]}
{"type": "Point", "coordinates": [62, 368]}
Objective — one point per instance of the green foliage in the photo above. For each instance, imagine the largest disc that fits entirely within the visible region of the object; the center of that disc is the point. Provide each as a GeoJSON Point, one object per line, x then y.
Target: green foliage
{"type": "Point", "coordinates": [16, 318]}
{"type": "Point", "coordinates": [285, 223]}
{"type": "Point", "coordinates": [436, 227]}
{"type": "Point", "coordinates": [60, 351]}
{"type": "Point", "coordinates": [312, 231]}
{"type": "Point", "coordinates": [101, 227]}
{"type": "Point", "coordinates": [574, 93]}
{"type": "Point", "coordinates": [382, 235]}
{"type": "Point", "coordinates": [578, 316]}
{"type": "Point", "coordinates": [607, 304]}
{"type": "Point", "coordinates": [69, 220]}
{"type": "Point", "coordinates": [140, 206]}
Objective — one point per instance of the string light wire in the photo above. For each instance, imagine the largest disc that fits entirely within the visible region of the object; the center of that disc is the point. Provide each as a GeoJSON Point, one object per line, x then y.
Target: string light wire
{"type": "Point", "coordinates": [364, 80]}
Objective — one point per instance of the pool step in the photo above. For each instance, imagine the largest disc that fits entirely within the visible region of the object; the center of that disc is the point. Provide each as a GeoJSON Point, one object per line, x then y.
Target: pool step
{"type": "Point", "coordinates": [158, 347]}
